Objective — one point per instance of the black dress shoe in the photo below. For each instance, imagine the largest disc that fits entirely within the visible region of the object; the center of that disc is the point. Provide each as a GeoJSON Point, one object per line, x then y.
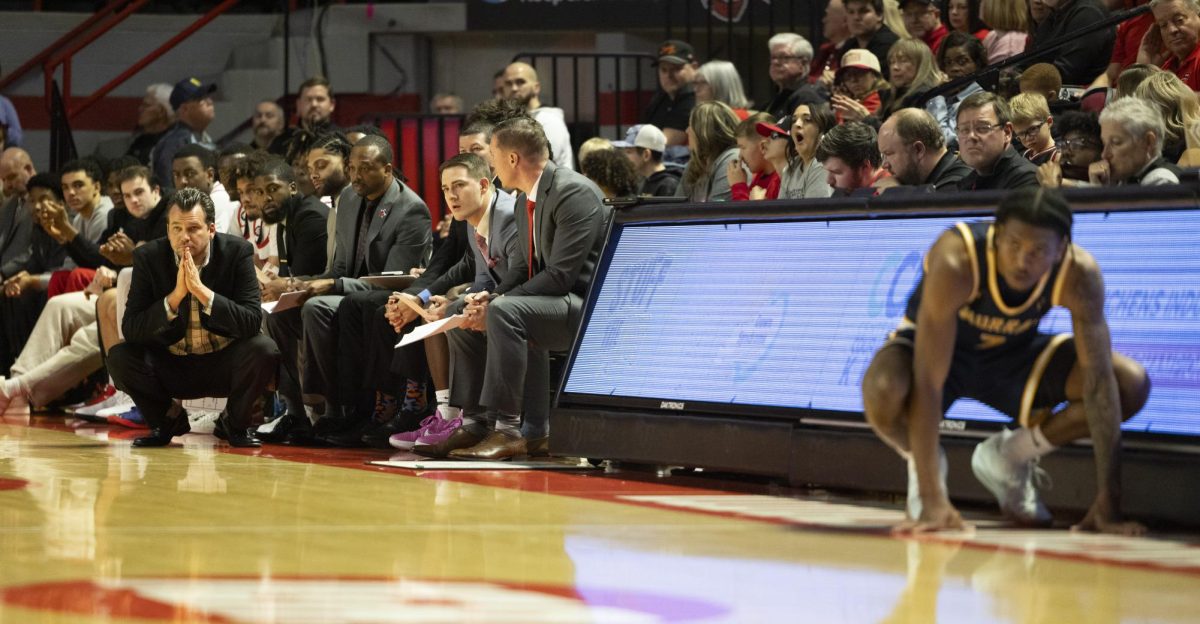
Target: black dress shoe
{"type": "Point", "coordinates": [349, 438]}
{"type": "Point", "coordinates": [243, 440]}
{"type": "Point", "coordinates": [287, 425]}
{"type": "Point", "coordinates": [377, 437]}
{"type": "Point", "coordinates": [461, 438]}
{"type": "Point", "coordinates": [162, 436]}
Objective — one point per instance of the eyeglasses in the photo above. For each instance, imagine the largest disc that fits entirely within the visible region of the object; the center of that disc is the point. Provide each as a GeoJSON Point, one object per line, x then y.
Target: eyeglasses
{"type": "Point", "coordinates": [1029, 133]}
{"type": "Point", "coordinates": [1077, 144]}
{"type": "Point", "coordinates": [980, 130]}
{"type": "Point", "coordinates": [781, 59]}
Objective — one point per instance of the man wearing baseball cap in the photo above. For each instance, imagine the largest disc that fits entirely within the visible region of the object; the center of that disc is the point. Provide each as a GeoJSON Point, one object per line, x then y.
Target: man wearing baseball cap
{"type": "Point", "coordinates": [644, 145]}
{"type": "Point", "coordinates": [192, 101]}
{"type": "Point", "coordinates": [672, 105]}
{"type": "Point", "coordinates": [923, 19]}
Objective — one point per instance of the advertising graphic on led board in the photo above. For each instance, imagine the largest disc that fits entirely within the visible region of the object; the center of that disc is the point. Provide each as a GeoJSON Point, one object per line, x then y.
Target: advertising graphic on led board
{"type": "Point", "coordinates": [788, 314]}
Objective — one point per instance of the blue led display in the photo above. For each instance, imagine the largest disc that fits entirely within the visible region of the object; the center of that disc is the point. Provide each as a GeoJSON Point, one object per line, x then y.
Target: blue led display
{"type": "Point", "coordinates": [789, 314]}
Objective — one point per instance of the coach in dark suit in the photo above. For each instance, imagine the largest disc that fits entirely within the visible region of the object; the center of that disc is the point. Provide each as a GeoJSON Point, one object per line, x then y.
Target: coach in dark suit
{"type": "Point", "coordinates": [382, 225]}
{"type": "Point", "coordinates": [302, 220]}
{"type": "Point", "coordinates": [540, 300]}
{"type": "Point", "coordinates": [193, 325]}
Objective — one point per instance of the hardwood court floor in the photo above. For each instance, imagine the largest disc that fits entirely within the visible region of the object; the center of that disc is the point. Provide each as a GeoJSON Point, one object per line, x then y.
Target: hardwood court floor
{"type": "Point", "coordinates": [92, 530]}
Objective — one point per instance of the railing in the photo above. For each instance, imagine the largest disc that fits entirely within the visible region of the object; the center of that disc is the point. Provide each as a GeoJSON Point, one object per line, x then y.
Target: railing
{"type": "Point", "coordinates": [421, 143]}
{"type": "Point", "coordinates": [62, 141]}
{"type": "Point", "coordinates": [615, 115]}
{"type": "Point", "coordinates": [62, 41]}
{"type": "Point", "coordinates": [737, 31]}
{"type": "Point", "coordinates": [64, 58]}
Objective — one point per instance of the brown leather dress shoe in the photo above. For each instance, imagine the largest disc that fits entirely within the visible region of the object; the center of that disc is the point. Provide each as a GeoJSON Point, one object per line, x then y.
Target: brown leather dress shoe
{"type": "Point", "coordinates": [496, 446]}
{"type": "Point", "coordinates": [538, 447]}
{"type": "Point", "coordinates": [460, 439]}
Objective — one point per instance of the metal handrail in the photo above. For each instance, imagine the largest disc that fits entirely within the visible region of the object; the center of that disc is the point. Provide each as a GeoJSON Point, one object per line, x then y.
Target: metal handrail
{"type": "Point", "coordinates": [64, 58]}
{"type": "Point", "coordinates": [41, 57]}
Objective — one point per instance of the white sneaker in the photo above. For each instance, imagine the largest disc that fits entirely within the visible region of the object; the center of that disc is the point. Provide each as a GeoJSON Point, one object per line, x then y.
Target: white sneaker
{"type": "Point", "coordinates": [118, 399]}
{"type": "Point", "coordinates": [913, 506]}
{"type": "Point", "coordinates": [1011, 484]}
{"type": "Point", "coordinates": [120, 406]}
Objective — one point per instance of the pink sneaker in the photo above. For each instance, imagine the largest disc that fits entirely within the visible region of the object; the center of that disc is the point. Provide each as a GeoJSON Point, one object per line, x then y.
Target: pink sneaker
{"type": "Point", "coordinates": [439, 431]}
{"type": "Point", "coordinates": [405, 440]}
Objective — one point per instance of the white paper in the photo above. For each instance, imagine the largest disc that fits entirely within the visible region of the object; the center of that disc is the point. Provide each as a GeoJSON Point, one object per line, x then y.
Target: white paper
{"type": "Point", "coordinates": [431, 329]}
{"type": "Point", "coordinates": [287, 301]}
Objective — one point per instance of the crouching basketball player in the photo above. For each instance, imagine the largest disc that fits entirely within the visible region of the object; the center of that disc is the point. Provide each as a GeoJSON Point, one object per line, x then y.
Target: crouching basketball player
{"type": "Point", "coordinates": [971, 330]}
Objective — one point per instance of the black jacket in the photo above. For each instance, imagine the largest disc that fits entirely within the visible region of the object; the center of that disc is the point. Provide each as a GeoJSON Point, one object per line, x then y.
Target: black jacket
{"type": "Point", "coordinates": [1012, 171]}
{"type": "Point", "coordinates": [948, 173]}
{"type": "Point", "coordinates": [86, 253]}
{"type": "Point", "coordinates": [879, 45]}
{"type": "Point", "coordinates": [662, 183]}
{"type": "Point", "coordinates": [1084, 58]}
{"type": "Point", "coordinates": [304, 236]}
{"type": "Point", "coordinates": [236, 307]}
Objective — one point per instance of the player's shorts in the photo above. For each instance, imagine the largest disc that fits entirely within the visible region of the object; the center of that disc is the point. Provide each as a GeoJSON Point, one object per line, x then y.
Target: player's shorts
{"type": "Point", "coordinates": [1014, 381]}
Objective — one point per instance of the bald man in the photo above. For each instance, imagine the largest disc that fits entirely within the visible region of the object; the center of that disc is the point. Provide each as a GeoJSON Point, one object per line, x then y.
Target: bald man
{"type": "Point", "coordinates": [16, 219]}
{"type": "Point", "coordinates": [521, 84]}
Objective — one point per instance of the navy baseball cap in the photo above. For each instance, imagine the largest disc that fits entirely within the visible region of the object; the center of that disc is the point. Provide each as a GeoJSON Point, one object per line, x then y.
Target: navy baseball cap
{"type": "Point", "coordinates": [190, 90]}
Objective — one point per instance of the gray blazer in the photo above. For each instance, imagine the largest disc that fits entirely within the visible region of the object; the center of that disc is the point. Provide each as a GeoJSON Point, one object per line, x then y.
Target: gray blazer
{"type": "Point", "coordinates": [16, 224]}
{"type": "Point", "coordinates": [400, 235]}
{"type": "Point", "coordinates": [502, 246]}
{"type": "Point", "coordinates": [569, 224]}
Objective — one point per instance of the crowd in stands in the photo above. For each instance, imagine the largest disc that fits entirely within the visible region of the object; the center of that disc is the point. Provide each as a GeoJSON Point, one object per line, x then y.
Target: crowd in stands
{"type": "Point", "coordinates": [306, 217]}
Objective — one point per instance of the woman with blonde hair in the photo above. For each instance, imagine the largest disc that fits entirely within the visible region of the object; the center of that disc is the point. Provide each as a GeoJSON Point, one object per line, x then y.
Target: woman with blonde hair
{"type": "Point", "coordinates": [719, 81]}
{"type": "Point", "coordinates": [914, 71]}
{"type": "Point", "coordinates": [712, 143]}
{"type": "Point", "coordinates": [1009, 20]}
{"type": "Point", "coordinates": [894, 19]}
{"type": "Point", "coordinates": [1181, 112]}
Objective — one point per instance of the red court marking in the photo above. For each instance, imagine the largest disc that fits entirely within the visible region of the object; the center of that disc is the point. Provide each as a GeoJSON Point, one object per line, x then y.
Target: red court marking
{"type": "Point", "coordinates": [611, 489]}
{"type": "Point", "coordinates": [86, 598]}
{"type": "Point", "coordinates": [13, 484]}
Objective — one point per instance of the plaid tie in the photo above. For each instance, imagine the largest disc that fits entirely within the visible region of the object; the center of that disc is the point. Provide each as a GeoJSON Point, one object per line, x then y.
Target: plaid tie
{"type": "Point", "coordinates": [481, 243]}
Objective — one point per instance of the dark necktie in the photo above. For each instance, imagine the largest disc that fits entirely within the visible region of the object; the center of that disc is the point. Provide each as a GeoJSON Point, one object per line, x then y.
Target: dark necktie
{"type": "Point", "coordinates": [529, 205]}
{"type": "Point", "coordinates": [360, 248]}
{"type": "Point", "coordinates": [481, 243]}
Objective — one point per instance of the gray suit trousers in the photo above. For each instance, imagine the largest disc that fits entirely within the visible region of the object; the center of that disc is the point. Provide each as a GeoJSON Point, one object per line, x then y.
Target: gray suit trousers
{"type": "Point", "coordinates": [507, 369]}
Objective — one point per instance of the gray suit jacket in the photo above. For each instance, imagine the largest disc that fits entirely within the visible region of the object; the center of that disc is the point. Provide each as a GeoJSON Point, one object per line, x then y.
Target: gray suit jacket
{"type": "Point", "coordinates": [503, 243]}
{"type": "Point", "coordinates": [16, 225]}
{"type": "Point", "coordinates": [400, 235]}
{"type": "Point", "coordinates": [569, 224]}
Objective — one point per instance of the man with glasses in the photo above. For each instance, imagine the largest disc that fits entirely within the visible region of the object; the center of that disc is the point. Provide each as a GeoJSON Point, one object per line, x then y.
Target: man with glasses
{"type": "Point", "coordinates": [193, 104]}
{"type": "Point", "coordinates": [914, 151]}
{"type": "Point", "coordinates": [1031, 122]}
{"type": "Point", "coordinates": [791, 55]}
{"type": "Point", "coordinates": [1079, 148]}
{"type": "Point", "coordinates": [985, 144]}
{"type": "Point", "coordinates": [923, 19]}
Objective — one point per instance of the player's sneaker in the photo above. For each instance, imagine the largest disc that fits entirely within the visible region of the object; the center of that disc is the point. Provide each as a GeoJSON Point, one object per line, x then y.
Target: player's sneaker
{"type": "Point", "coordinates": [439, 432]}
{"type": "Point", "coordinates": [406, 439]}
{"type": "Point", "coordinates": [131, 417]}
{"type": "Point", "coordinates": [1012, 484]}
{"type": "Point", "coordinates": [117, 399]}
{"type": "Point", "coordinates": [913, 507]}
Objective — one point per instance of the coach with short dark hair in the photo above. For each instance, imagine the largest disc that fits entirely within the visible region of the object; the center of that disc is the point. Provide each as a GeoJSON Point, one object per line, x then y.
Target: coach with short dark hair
{"type": "Point", "coordinates": [192, 326]}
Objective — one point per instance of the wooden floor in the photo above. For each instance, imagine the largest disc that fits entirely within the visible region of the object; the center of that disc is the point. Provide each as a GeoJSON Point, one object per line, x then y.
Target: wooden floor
{"type": "Point", "coordinates": [92, 530]}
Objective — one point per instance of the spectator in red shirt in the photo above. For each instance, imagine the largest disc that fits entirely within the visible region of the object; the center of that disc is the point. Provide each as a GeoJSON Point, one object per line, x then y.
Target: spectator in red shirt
{"type": "Point", "coordinates": [1173, 43]}
{"type": "Point", "coordinates": [1129, 40]}
{"type": "Point", "coordinates": [923, 19]}
{"type": "Point", "coordinates": [835, 30]}
{"type": "Point", "coordinates": [752, 156]}
{"type": "Point", "coordinates": [964, 16]}
{"type": "Point", "coordinates": [859, 89]}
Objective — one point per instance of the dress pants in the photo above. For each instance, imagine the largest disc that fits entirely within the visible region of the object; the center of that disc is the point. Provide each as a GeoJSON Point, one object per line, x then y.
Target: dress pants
{"type": "Point", "coordinates": [507, 369]}
{"type": "Point", "coordinates": [305, 335]}
{"type": "Point", "coordinates": [63, 349]}
{"type": "Point", "coordinates": [367, 357]}
{"type": "Point", "coordinates": [152, 376]}
{"type": "Point", "coordinates": [17, 319]}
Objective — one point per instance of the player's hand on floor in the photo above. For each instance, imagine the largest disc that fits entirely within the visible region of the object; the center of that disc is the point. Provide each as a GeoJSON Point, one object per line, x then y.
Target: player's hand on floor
{"type": "Point", "coordinates": [936, 517]}
{"type": "Point", "coordinates": [1098, 520]}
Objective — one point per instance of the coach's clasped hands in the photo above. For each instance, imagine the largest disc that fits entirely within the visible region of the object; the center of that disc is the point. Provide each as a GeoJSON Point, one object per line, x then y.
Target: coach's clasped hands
{"type": "Point", "coordinates": [187, 281]}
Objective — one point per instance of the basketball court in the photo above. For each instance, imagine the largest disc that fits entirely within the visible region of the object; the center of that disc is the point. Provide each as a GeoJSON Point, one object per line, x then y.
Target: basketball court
{"type": "Point", "coordinates": [94, 530]}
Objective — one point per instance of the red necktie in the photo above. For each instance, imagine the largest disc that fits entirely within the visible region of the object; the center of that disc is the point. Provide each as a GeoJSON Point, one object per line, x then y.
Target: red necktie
{"type": "Point", "coordinates": [529, 205]}
{"type": "Point", "coordinates": [481, 243]}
